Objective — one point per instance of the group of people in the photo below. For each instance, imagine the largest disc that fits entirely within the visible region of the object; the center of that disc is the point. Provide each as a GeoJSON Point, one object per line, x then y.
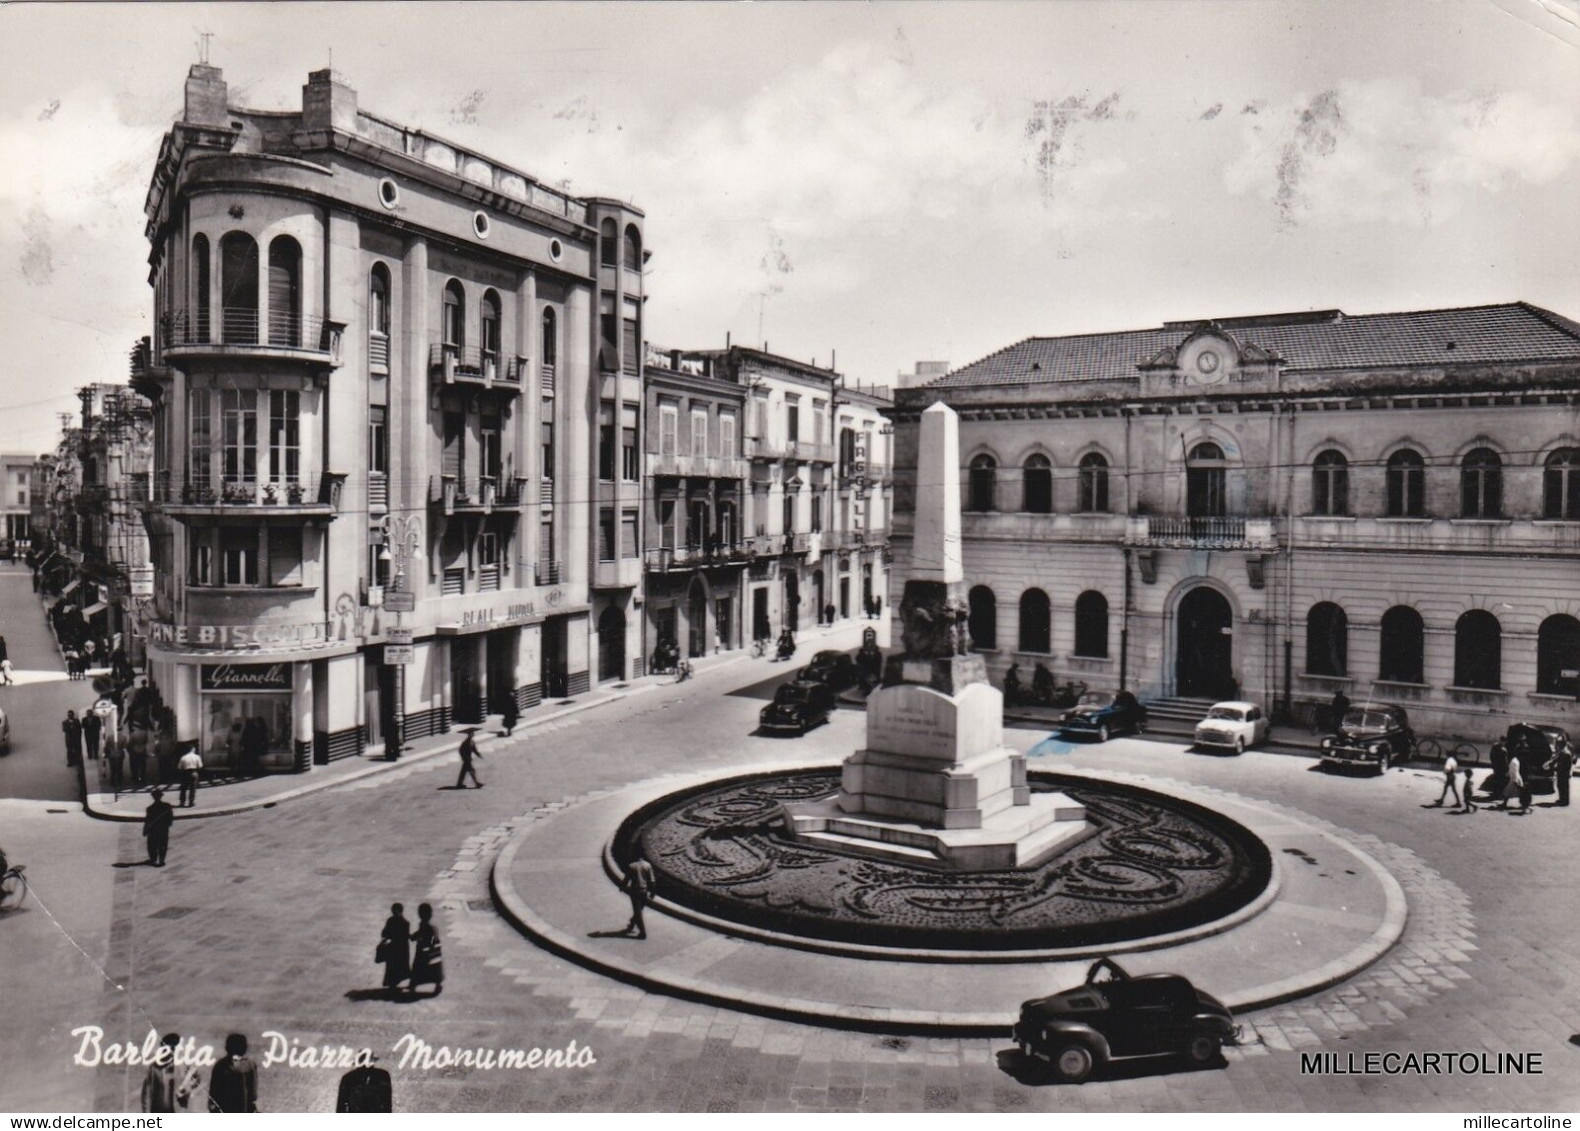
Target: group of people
{"type": "Point", "coordinates": [410, 957]}
{"type": "Point", "coordinates": [246, 743]}
{"type": "Point", "coordinates": [149, 737]}
{"type": "Point", "coordinates": [1043, 688]}
{"type": "Point", "coordinates": [1514, 761]}
{"type": "Point", "coordinates": [233, 1082]}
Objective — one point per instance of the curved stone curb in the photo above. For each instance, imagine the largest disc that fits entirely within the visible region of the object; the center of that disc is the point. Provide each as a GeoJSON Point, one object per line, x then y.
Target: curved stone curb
{"type": "Point", "coordinates": [937, 1023]}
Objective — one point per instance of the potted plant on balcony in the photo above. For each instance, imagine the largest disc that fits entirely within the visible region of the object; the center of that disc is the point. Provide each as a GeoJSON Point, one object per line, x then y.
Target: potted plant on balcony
{"type": "Point", "coordinates": [268, 494]}
{"type": "Point", "coordinates": [293, 494]}
{"type": "Point", "coordinates": [237, 492]}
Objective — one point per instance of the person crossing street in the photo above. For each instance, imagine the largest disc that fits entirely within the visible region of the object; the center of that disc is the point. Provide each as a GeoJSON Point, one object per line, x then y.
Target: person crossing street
{"type": "Point", "coordinates": [468, 752]}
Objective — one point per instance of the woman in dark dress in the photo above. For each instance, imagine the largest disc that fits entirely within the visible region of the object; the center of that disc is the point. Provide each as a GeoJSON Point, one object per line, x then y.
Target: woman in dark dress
{"type": "Point", "coordinates": [395, 947]}
{"type": "Point", "coordinates": [428, 967]}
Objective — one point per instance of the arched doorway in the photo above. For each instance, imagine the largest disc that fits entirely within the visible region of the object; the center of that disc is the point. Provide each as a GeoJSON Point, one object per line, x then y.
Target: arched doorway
{"type": "Point", "coordinates": [611, 644]}
{"type": "Point", "coordinates": [792, 602]}
{"type": "Point", "coordinates": [697, 619]}
{"type": "Point", "coordinates": [1204, 647]}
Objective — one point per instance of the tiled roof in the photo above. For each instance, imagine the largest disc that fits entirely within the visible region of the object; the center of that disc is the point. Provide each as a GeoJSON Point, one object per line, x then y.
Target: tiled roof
{"type": "Point", "coordinates": [1511, 332]}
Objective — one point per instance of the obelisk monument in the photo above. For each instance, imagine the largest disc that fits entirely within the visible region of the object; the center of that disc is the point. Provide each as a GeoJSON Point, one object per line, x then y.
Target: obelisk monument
{"type": "Point", "coordinates": [935, 784]}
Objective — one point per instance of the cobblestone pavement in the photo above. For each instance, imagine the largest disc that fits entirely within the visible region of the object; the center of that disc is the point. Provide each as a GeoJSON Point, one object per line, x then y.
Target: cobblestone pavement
{"type": "Point", "coordinates": [267, 921]}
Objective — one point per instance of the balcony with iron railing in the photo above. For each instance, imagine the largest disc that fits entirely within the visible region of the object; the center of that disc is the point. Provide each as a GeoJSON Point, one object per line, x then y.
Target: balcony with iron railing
{"type": "Point", "coordinates": [664, 559]}
{"type": "Point", "coordinates": [230, 331]}
{"type": "Point", "coordinates": [480, 494]}
{"type": "Point", "coordinates": [548, 573]}
{"type": "Point", "coordinates": [302, 497]}
{"type": "Point", "coordinates": [796, 543]}
{"type": "Point", "coordinates": [470, 366]}
{"type": "Point", "coordinates": [697, 467]}
{"type": "Point", "coordinates": [1201, 532]}
{"type": "Point", "coordinates": [809, 451]}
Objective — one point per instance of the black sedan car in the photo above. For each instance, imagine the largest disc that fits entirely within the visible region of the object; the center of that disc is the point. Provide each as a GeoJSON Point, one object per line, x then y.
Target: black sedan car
{"type": "Point", "coordinates": [1533, 747]}
{"type": "Point", "coordinates": [798, 706]}
{"type": "Point", "coordinates": [1105, 713]}
{"type": "Point", "coordinates": [1116, 1015]}
{"type": "Point", "coordinates": [835, 669]}
{"type": "Point", "coordinates": [1372, 734]}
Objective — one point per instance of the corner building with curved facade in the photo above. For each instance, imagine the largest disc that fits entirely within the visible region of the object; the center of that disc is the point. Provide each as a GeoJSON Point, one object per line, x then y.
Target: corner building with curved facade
{"type": "Point", "coordinates": [379, 365]}
{"type": "Point", "coordinates": [1280, 507]}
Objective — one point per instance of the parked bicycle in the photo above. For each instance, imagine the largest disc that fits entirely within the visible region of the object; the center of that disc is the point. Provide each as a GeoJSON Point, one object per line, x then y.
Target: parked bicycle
{"type": "Point", "coordinates": [13, 888]}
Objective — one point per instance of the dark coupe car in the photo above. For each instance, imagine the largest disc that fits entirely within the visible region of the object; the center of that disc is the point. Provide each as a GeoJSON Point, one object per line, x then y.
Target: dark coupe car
{"type": "Point", "coordinates": [1105, 713]}
{"type": "Point", "coordinates": [1372, 734]}
{"type": "Point", "coordinates": [835, 669]}
{"type": "Point", "coordinates": [798, 706]}
{"type": "Point", "coordinates": [1533, 747]}
{"type": "Point", "coordinates": [1116, 1015]}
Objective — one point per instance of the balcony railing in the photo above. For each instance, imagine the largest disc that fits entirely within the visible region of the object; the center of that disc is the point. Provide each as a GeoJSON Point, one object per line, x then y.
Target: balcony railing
{"type": "Point", "coordinates": [793, 543]}
{"type": "Point", "coordinates": [692, 557]}
{"type": "Point", "coordinates": [1217, 532]}
{"type": "Point", "coordinates": [810, 451]}
{"type": "Point", "coordinates": [319, 494]}
{"type": "Point", "coordinates": [764, 447]}
{"type": "Point", "coordinates": [470, 365]}
{"type": "Point", "coordinates": [547, 573]}
{"type": "Point", "coordinates": [242, 326]}
{"type": "Point", "coordinates": [701, 467]}
{"type": "Point", "coordinates": [476, 493]}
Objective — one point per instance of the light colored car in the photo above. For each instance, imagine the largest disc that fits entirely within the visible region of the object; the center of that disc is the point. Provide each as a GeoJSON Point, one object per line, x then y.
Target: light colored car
{"type": "Point", "coordinates": [1236, 725]}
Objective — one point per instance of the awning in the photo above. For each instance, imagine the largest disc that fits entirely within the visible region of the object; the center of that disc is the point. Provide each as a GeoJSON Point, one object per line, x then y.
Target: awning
{"type": "Point", "coordinates": [74, 583]}
{"type": "Point", "coordinates": [94, 609]}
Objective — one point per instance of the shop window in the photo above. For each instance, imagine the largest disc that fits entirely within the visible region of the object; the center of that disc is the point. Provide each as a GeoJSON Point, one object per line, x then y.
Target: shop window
{"type": "Point", "coordinates": [1330, 484]}
{"type": "Point", "coordinates": [1481, 484]}
{"type": "Point", "coordinates": [983, 617]}
{"type": "Point", "coordinates": [1558, 656]}
{"type": "Point", "coordinates": [1406, 476]}
{"type": "Point", "coordinates": [1402, 656]}
{"type": "Point", "coordinates": [1561, 484]}
{"type": "Point", "coordinates": [1327, 640]}
{"type": "Point", "coordinates": [982, 480]}
{"type": "Point", "coordinates": [1036, 622]}
{"type": "Point", "coordinates": [1478, 651]}
{"type": "Point", "coordinates": [1037, 485]}
{"type": "Point", "coordinates": [1091, 625]}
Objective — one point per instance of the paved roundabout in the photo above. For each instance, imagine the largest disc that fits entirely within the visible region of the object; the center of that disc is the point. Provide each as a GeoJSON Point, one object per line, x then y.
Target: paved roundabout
{"type": "Point", "coordinates": [1328, 911]}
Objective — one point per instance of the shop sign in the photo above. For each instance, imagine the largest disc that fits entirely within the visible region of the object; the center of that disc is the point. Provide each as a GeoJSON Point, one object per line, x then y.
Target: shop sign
{"type": "Point", "coordinates": [399, 636]}
{"type": "Point", "coordinates": [400, 601]}
{"type": "Point", "coordinates": [312, 634]}
{"type": "Point", "coordinates": [398, 654]}
{"type": "Point", "coordinates": [246, 677]}
{"type": "Point", "coordinates": [142, 581]}
{"type": "Point", "coordinates": [498, 617]}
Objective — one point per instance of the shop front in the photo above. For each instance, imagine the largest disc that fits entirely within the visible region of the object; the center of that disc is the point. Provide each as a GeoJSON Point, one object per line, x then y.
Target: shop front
{"type": "Point", "coordinates": [247, 722]}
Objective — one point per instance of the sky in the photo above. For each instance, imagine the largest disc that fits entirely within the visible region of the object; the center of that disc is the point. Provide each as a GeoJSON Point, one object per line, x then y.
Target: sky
{"type": "Point", "coordinates": [891, 181]}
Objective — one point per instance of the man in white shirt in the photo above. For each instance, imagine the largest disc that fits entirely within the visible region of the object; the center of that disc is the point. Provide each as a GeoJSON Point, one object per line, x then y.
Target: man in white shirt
{"type": "Point", "coordinates": [190, 766]}
{"type": "Point", "coordinates": [1450, 786]}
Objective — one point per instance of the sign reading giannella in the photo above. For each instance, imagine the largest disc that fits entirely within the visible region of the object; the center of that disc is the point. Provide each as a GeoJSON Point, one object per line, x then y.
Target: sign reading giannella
{"type": "Point", "coordinates": [246, 677]}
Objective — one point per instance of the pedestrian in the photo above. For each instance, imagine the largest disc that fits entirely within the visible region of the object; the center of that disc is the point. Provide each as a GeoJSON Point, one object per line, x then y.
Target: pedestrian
{"type": "Point", "coordinates": [233, 1083]}
{"type": "Point", "coordinates": [427, 967]}
{"type": "Point", "coordinates": [468, 752]}
{"type": "Point", "coordinates": [5, 673]}
{"type": "Point", "coordinates": [137, 754]}
{"type": "Point", "coordinates": [640, 884]}
{"type": "Point", "coordinates": [394, 949]}
{"type": "Point", "coordinates": [115, 757]}
{"type": "Point", "coordinates": [877, 607]}
{"type": "Point", "coordinates": [157, 819]}
{"type": "Point", "coordinates": [191, 767]}
{"type": "Point", "coordinates": [1515, 786]}
{"type": "Point", "coordinates": [92, 726]}
{"type": "Point", "coordinates": [1562, 765]}
{"type": "Point", "coordinates": [5, 652]}
{"type": "Point", "coordinates": [72, 729]}
{"type": "Point", "coordinates": [366, 1088]}
{"type": "Point", "coordinates": [509, 716]}
{"type": "Point", "coordinates": [1339, 708]}
{"type": "Point", "coordinates": [89, 652]}
{"type": "Point", "coordinates": [254, 745]}
{"type": "Point", "coordinates": [1450, 769]}
{"type": "Point", "coordinates": [167, 1088]}
{"type": "Point", "coordinates": [164, 747]}
{"type": "Point", "coordinates": [828, 612]}
{"type": "Point", "coordinates": [1470, 799]}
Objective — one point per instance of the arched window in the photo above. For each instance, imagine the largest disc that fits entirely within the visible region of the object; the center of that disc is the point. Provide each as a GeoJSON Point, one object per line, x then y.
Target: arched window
{"type": "Point", "coordinates": [453, 322]}
{"type": "Point", "coordinates": [1558, 656]}
{"type": "Point", "coordinates": [1401, 657]}
{"type": "Point", "coordinates": [285, 292]}
{"type": "Point", "coordinates": [1478, 651]}
{"type": "Point", "coordinates": [1205, 487]}
{"type": "Point", "coordinates": [1561, 484]}
{"type": "Point", "coordinates": [1406, 484]}
{"type": "Point", "coordinates": [489, 327]}
{"type": "Point", "coordinates": [238, 286]}
{"type": "Point", "coordinates": [982, 479]}
{"type": "Point", "coordinates": [983, 622]}
{"type": "Point", "coordinates": [551, 340]}
{"type": "Point", "coordinates": [1035, 622]}
{"type": "Point", "coordinates": [1093, 478]}
{"type": "Point", "coordinates": [609, 243]}
{"type": "Point", "coordinates": [1330, 484]}
{"type": "Point", "coordinates": [1327, 640]}
{"type": "Point", "coordinates": [200, 295]}
{"type": "Point", "coordinates": [1037, 485]}
{"type": "Point", "coordinates": [633, 247]}
{"type": "Point", "coordinates": [1091, 624]}
{"type": "Point", "coordinates": [1481, 485]}
{"type": "Point", "coordinates": [379, 300]}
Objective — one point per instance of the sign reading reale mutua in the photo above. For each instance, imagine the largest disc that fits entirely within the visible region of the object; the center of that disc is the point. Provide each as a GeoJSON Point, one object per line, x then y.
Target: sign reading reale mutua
{"type": "Point", "coordinates": [246, 677]}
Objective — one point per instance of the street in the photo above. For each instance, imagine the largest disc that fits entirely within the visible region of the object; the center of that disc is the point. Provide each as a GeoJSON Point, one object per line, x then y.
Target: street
{"type": "Point", "coordinates": [38, 701]}
{"type": "Point", "coordinates": [265, 921]}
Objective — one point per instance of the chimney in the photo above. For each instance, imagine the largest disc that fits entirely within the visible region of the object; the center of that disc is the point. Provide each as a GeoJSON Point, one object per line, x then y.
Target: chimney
{"type": "Point", "coordinates": [328, 103]}
{"type": "Point", "coordinates": [207, 101]}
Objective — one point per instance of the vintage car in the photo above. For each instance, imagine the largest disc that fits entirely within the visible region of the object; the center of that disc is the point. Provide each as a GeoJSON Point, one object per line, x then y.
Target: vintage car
{"type": "Point", "coordinates": [1370, 734]}
{"type": "Point", "coordinates": [1105, 713]}
{"type": "Point", "coordinates": [835, 669]}
{"type": "Point", "coordinates": [797, 707]}
{"type": "Point", "coordinates": [1533, 747]}
{"type": "Point", "coordinates": [1116, 1015]}
{"type": "Point", "coordinates": [1234, 725]}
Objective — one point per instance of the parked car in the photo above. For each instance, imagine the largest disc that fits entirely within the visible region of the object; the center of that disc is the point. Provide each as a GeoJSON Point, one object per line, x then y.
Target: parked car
{"type": "Point", "coordinates": [1115, 1015]}
{"type": "Point", "coordinates": [1370, 734]}
{"type": "Point", "coordinates": [797, 707]}
{"type": "Point", "coordinates": [1533, 747]}
{"type": "Point", "coordinates": [1234, 724]}
{"type": "Point", "coordinates": [1105, 713]}
{"type": "Point", "coordinates": [835, 669]}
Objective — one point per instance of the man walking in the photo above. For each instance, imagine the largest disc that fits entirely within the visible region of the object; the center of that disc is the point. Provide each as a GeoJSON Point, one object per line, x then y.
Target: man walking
{"type": "Point", "coordinates": [1339, 708]}
{"type": "Point", "coordinates": [165, 1087]}
{"type": "Point", "coordinates": [1450, 768]}
{"type": "Point", "coordinates": [191, 767]}
{"type": "Point", "coordinates": [233, 1084]}
{"type": "Point", "coordinates": [115, 756]}
{"type": "Point", "coordinates": [157, 819]}
{"type": "Point", "coordinates": [72, 729]}
{"type": "Point", "coordinates": [639, 885]}
{"type": "Point", "coordinates": [1470, 798]}
{"type": "Point", "coordinates": [1562, 765]}
{"type": "Point", "coordinates": [92, 725]}
{"type": "Point", "coordinates": [468, 752]}
{"type": "Point", "coordinates": [510, 715]}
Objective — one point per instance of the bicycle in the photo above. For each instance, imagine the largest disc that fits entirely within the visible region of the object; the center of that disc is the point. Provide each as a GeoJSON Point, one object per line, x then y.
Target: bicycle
{"type": "Point", "coordinates": [682, 671]}
{"type": "Point", "coordinates": [13, 888]}
{"type": "Point", "coordinates": [1426, 750]}
{"type": "Point", "coordinates": [760, 647]}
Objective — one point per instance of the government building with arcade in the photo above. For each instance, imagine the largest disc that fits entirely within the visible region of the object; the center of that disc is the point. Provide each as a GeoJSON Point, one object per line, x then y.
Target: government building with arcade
{"type": "Point", "coordinates": [1279, 507]}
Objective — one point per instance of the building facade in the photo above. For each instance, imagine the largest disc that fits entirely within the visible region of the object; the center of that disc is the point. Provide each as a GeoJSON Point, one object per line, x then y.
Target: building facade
{"type": "Point", "coordinates": [1281, 507]}
{"type": "Point", "coordinates": [377, 382]}
{"type": "Point", "coordinates": [16, 487]}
